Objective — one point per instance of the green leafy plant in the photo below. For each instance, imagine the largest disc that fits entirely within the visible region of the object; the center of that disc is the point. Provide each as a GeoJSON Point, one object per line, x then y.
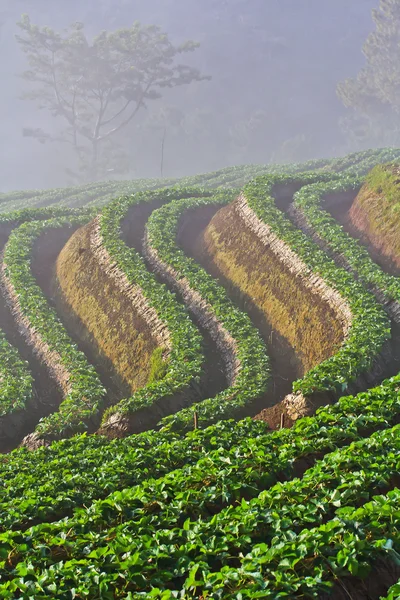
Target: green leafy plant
{"type": "Point", "coordinates": [85, 393]}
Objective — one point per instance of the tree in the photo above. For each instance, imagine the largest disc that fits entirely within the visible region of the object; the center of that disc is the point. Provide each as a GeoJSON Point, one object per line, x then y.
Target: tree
{"type": "Point", "coordinates": [98, 87]}
{"type": "Point", "coordinates": [374, 94]}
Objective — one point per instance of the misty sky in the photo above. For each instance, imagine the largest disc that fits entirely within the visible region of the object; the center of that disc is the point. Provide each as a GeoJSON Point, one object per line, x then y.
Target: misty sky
{"type": "Point", "coordinates": [274, 64]}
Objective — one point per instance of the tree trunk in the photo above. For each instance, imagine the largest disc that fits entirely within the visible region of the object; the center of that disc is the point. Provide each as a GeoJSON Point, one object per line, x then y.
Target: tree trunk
{"type": "Point", "coordinates": [95, 157]}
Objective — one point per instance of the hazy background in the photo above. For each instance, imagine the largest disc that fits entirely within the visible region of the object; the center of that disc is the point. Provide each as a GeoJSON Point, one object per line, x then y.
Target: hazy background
{"type": "Point", "coordinates": [275, 65]}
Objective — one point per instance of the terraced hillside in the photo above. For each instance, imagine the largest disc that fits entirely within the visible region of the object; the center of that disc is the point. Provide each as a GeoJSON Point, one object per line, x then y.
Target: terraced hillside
{"type": "Point", "coordinates": [199, 386]}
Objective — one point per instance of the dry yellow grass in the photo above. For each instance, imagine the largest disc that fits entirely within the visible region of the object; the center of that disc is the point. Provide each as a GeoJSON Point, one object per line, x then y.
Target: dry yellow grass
{"type": "Point", "coordinates": [308, 323]}
{"type": "Point", "coordinates": [120, 334]}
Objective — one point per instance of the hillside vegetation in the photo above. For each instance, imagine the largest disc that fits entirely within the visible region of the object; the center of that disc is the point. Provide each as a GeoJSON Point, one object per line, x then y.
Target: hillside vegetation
{"type": "Point", "coordinates": [376, 211]}
{"type": "Point", "coordinates": [199, 386]}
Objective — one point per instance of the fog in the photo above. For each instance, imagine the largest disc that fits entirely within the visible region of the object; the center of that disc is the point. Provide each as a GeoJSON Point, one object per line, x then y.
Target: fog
{"type": "Point", "coordinates": [274, 67]}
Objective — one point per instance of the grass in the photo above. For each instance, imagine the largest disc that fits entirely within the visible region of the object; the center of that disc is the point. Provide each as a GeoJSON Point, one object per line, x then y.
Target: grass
{"type": "Point", "coordinates": [118, 333]}
{"type": "Point", "coordinates": [376, 210]}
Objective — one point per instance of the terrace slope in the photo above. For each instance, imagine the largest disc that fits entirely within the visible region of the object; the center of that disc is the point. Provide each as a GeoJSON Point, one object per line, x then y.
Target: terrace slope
{"type": "Point", "coordinates": [375, 212]}
{"type": "Point", "coordinates": [119, 333]}
{"type": "Point", "coordinates": [307, 322]}
{"type": "Point", "coordinates": [234, 510]}
{"type": "Point", "coordinates": [46, 394]}
{"type": "Point", "coordinates": [213, 378]}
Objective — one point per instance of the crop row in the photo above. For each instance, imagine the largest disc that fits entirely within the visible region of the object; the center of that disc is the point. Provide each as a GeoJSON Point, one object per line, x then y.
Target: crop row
{"type": "Point", "coordinates": [42, 199]}
{"type": "Point", "coordinates": [63, 197]}
{"type": "Point", "coordinates": [308, 203]}
{"type": "Point", "coordinates": [240, 343]}
{"type": "Point", "coordinates": [370, 327]}
{"type": "Point", "coordinates": [53, 480]}
{"type": "Point", "coordinates": [238, 176]}
{"type": "Point", "coordinates": [60, 197]}
{"type": "Point", "coordinates": [98, 194]}
{"type": "Point", "coordinates": [17, 217]}
{"type": "Point", "coordinates": [368, 161]}
{"type": "Point", "coordinates": [114, 465]}
{"type": "Point", "coordinates": [359, 163]}
{"type": "Point", "coordinates": [16, 381]}
{"type": "Point", "coordinates": [154, 534]}
{"type": "Point", "coordinates": [307, 563]}
{"type": "Point", "coordinates": [18, 195]}
{"type": "Point", "coordinates": [42, 328]}
{"type": "Point", "coordinates": [185, 359]}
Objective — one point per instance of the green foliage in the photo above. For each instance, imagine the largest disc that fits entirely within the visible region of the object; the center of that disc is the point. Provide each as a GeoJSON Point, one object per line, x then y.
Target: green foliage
{"type": "Point", "coordinates": [158, 366]}
{"type": "Point", "coordinates": [186, 357]}
{"type": "Point", "coordinates": [253, 374]}
{"type": "Point", "coordinates": [310, 200]}
{"type": "Point", "coordinates": [85, 393]}
{"type": "Point", "coordinates": [100, 194]}
{"type": "Point", "coordinates": [370, 327]}
{"type": "Point", "coordinates": [218, 512]}
{"type": "Point", "coordinates": [373, 94]}
{"type": "Point", "coordinates": [16, 381]}
{"type": "Point", "coordinates": [93, 467]}
{"type": "Point", "coordinates": [393, 593]}
{"type": "Point", "coordinates": [142, 521]}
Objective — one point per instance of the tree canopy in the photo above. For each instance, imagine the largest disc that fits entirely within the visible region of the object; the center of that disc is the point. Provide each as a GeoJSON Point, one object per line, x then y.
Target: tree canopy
{"type": "Point", "coordinates": [97, 87]}
{"type": "Point", "coordinates": [374, 94]}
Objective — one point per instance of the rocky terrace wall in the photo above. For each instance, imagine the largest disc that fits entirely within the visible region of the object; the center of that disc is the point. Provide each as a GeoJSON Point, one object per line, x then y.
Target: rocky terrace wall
{"type": "Point", "coordinates": [202, 309]}
{"type": "Point", "coordinates": [132, 291]}
{"type": "Point", "coordinates": [295, 265]}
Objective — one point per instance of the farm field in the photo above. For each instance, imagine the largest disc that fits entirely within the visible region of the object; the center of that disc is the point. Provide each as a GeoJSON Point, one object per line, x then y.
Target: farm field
{"type": "Point", "coordinates": [200, 385]}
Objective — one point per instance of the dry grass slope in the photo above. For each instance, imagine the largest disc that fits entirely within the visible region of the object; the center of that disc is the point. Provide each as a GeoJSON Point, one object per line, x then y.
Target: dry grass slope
{"type": "Point", "coordinates": [120, 334]}
{"type": "Point", "coordinates": [376, 211]}
{"type": "Point", "coordinates": [308, 323]}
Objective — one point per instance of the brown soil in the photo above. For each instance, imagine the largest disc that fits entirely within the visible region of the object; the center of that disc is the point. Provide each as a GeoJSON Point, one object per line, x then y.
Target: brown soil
{"type": "Point", "coordinates": [47, 396]}
{"type": "Point", "coordinates": [373, 587]}
{"type": "Point", "coordinates": [283, 194]}
{"type": "Point", "coordinates": [213, 377]}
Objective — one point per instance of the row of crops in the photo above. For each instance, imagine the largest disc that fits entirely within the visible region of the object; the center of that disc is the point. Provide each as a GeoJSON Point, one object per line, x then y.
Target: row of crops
{"type": "Point", "coordinates": [309, 201]}
{"type": "Point", "coordinates": [370, 327]}
{"type": "Point", "coordinates": [252, 374]}
{"type": "Point", "coordinates": [212, 514]}
{"type": "Point", "coordinates": [231, 509]}
{"type": "Point", "coordinates": [15, 379]}
{"type": "Point", "coordinates": [186, 357]}
{"type": "Point", "coordinates": [82, 388]}
{"type": "Point", "coordinates": [99, 194]}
